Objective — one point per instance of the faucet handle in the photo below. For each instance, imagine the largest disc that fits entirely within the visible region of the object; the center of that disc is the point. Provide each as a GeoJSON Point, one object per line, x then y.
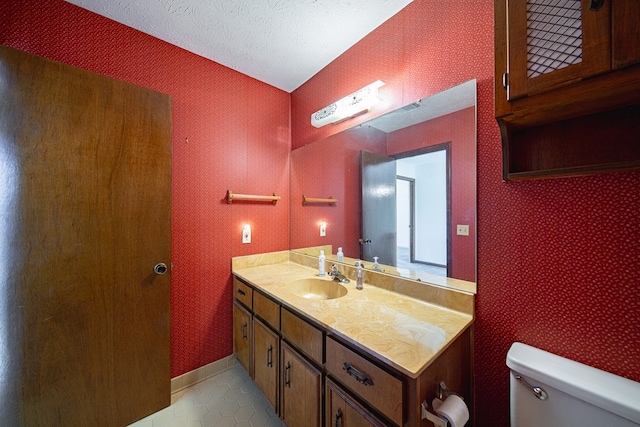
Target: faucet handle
{"type": "Point", "coordinates": [334, 267]}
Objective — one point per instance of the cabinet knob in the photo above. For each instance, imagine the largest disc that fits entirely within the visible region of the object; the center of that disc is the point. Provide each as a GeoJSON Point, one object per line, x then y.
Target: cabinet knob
{"type": "Point", "coordinates": [595, 5]}
{"type": "Point", "coordinates": [160, 268]}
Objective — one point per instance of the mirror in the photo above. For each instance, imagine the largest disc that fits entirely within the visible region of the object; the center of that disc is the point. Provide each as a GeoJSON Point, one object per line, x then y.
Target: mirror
{"type": "Point", "coordinates": [431, 147]}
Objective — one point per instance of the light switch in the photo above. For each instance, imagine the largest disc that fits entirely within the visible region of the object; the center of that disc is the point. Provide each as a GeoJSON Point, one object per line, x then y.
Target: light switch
{"type": "Point", "coordinates": [323, 229]}
{"type": "Point", "coordinates": [463, 230]}
{"type": "Point", "coordinates": [246, 233]}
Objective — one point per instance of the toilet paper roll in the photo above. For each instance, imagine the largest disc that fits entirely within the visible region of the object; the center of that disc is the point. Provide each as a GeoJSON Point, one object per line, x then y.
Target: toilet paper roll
{"type": "Point", "coordinates": [454, 410]}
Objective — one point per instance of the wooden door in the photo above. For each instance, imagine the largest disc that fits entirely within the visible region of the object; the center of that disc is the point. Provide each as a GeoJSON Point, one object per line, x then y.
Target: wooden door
{"type": "Point", "coordinates": [266, 361]}
{"type": "Point", "coordinates": [85, 171]}
{"type": "Point", "coordinates": [301, 391]}
{"type": "Point", "coordinates": [378, 201]}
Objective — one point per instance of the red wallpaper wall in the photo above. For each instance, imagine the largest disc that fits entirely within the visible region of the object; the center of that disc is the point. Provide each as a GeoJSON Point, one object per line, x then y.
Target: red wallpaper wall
{"type": "Point", "coordinates": [558, 260]}
{"type": "Point", "coordinates": [229, 132]}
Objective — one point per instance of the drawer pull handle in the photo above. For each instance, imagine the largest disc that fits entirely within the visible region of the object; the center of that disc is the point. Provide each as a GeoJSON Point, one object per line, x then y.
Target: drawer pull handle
{"type": "Point", "coordinates": [270, 356]}
{"type": "Point", "coordinates": [244, 331]}
{"type": "Point", "coordinates": [359, 376]}
{"type": "Point", "coordinates": [339, 417]}
{"type": "Point", "coordinates": [241, 292]}
{"type": "Point", "coordinates": [287, 375]}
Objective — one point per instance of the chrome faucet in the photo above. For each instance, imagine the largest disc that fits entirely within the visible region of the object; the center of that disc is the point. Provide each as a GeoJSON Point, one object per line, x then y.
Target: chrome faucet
{"type": "Point", "coordinates": [337, 276]}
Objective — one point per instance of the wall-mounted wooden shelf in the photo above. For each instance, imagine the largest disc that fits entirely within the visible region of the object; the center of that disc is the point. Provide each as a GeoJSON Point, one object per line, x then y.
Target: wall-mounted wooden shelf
{"type": "Point", "coordinates": [231, 197]}
{"type": "Point", "coordinates": [308, 200]}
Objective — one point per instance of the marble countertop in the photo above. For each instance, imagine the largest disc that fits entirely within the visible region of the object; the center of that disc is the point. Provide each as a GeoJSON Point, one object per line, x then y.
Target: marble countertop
{"type": "Point", "coordinates": [402, 331]}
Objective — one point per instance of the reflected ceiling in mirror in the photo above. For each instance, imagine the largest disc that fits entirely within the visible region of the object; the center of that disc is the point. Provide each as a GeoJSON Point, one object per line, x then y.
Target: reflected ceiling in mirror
{"type": "Point", "coordinates": [331, 168]}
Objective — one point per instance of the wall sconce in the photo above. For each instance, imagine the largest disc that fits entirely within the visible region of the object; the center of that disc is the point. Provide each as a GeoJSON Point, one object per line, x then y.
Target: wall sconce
{"type": "Point", "coordinates": [350, 106]}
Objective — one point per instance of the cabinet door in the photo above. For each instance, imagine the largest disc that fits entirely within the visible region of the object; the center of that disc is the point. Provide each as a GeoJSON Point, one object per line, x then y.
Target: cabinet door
{"type": "Point", "coordinates": [265, 362]}
{"type": "Point", "coordinates": [553, 43]}
{"type": "Point", "coordinates": [342, 411]}
{"type": "Point", "coordinates": [626, 32]}
{"type": "Point", "coordinates": [301, 390]}
{"type": "Point", "coordinates": [242, 335]}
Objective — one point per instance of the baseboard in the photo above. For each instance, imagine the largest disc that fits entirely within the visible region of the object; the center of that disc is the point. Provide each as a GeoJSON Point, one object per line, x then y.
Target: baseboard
{"type": "Point", "coordinates": [200, 374]}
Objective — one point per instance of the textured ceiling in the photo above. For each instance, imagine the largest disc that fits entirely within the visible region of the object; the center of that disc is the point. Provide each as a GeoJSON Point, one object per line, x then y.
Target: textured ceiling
{"type": "Point", "coordinates": [280, 42]}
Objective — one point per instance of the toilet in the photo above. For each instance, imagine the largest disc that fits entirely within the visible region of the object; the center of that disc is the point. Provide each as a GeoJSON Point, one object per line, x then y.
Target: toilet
{"type": "Point", "coordinates": [551, 391]}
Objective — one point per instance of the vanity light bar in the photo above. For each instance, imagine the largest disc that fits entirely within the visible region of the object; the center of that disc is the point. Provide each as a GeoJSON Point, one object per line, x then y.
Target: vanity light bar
{"type": "Point", "coordinates": [350, 106]}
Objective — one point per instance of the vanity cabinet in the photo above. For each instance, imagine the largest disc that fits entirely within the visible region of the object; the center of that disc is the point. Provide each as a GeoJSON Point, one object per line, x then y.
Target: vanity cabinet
{"type": "Point", "coordinates": [567, 87]}
{"type": "Point", "coordinates": [301, 390]}
{"type": "Point", "coordinates": [313, 377]}
{"type": "Point", "coordinates": [343, 411]}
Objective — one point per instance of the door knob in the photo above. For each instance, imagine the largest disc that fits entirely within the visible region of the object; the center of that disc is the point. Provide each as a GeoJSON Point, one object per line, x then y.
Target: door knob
{"type": "Point", "coordinates": [160, 268]}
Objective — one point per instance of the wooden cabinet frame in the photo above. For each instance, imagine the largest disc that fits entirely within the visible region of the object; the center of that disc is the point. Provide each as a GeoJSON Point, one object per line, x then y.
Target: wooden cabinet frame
{"type": "Point", "coordinates": [574, 121]}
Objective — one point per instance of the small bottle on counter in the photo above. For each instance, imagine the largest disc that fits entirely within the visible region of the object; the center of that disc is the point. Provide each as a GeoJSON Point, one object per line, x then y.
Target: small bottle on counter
{"type": "Point", "coordinates": [321, 264]}
{"type": "Point", "coordinates": [340, 255]}
{"type": "Point", "coordinates": [359, 275]}
{"type": "Point", "coordinates": [375, 265]}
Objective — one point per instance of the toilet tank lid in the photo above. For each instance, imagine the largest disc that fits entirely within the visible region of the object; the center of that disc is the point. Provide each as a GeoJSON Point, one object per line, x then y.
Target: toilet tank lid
{"type": "Point", "coordinates": [605, 390]}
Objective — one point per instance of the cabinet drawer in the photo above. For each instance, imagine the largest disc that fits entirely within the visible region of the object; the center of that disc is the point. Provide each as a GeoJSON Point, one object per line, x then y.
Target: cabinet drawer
{"type": "Point", "coordinates": [267, 309]}
{"type": "Point", "coordinates": [304, 336]}
{"type": "Point", "coordinates": [382, 390]}
{"type": "Point", "coordinates": [243, 293]}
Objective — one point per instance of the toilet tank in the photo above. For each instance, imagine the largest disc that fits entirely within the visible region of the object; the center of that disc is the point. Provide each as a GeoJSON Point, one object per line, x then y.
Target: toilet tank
{"type": "Point", "coordinates": [577, 395]}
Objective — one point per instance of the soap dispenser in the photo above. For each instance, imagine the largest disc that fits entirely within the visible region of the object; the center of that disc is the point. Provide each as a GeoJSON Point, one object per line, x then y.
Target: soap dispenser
{"type": "Point", "coordinates": [321, 264]}
{"type": "Point", "coordinates": [375, 265]}
{"type": "Point", "coordinates": [359, 275]}
{"type": "Point", "coordinates": [340, 255]}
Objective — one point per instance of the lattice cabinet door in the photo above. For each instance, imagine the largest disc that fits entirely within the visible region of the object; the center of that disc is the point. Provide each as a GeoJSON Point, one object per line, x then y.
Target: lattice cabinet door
{"type": "Point", "coordinates": [552, 43]}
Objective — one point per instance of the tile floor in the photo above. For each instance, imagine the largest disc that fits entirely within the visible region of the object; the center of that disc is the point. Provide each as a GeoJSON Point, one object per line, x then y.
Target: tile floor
{"type": "Point", "coordinates": [229, 398]}
{"type": "Point", "coordinates": [403, 261]}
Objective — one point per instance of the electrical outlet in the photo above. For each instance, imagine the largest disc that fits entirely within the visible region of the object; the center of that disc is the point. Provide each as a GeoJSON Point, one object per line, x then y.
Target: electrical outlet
{"type": "Point", "coordinates": [463, 230]}
{"type": "Point", "coordinates": [246, 234]}
{"type": "Point", "coordinates": [323, 229]}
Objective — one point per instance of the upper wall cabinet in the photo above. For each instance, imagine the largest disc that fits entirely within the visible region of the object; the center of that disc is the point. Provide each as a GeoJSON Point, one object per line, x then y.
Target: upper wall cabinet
{"type": "Point", "coordinates": [567, 86]}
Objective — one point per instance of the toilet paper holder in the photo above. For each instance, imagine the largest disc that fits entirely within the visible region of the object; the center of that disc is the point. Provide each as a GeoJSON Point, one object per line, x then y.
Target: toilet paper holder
{"type": "Point", "coordinates": [429, 414]}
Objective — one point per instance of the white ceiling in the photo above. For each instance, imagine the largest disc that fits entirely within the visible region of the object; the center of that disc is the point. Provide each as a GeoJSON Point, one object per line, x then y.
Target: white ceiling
{"type": "Point", "coordinates": [280, 42]}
